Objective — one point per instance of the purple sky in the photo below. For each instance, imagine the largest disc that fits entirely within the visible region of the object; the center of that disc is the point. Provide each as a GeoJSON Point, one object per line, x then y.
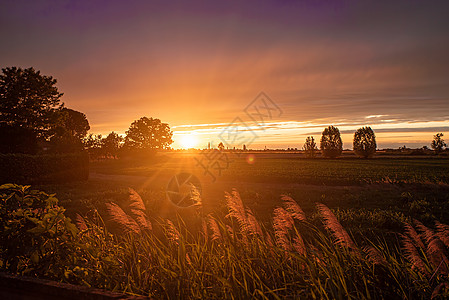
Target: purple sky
{"type": "Point", "coordinates": [348, 63]}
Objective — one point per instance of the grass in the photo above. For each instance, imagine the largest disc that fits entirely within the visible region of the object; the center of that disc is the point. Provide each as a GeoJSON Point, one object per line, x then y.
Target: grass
{"type": "Point", "coordinates": [234, 255]}
{"type": "Point", "coordinates": [278, 169]}
{"type": "Point", "coordinates": [248, 250]}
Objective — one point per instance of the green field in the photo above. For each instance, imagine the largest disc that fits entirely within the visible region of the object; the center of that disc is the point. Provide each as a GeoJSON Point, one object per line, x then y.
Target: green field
{"type": "Point", "coordinates": [366, 191]}
{"type": "Point", "coordinates": [247, 244]}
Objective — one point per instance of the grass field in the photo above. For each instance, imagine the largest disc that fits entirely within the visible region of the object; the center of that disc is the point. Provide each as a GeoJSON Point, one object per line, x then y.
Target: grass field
{"type": "Point", "coordinates": [352, 229]}
{"type": "Point", "coordinates": [252, 242]}
{"type": "Point", "coordinates": [370, 191]}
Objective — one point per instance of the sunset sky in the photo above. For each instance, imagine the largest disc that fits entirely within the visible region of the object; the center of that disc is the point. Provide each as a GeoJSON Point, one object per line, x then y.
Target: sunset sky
{"type": "Point", "coordinates": [197, 65]}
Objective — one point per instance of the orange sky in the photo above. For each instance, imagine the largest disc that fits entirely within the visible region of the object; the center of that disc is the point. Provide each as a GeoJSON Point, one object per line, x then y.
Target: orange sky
{"type": "Point", "coordinates": [202, 62]}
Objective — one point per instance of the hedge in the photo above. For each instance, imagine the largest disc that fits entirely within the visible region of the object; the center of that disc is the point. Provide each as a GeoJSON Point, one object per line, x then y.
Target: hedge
{"type": "Point", "coordinates": [45, 168]}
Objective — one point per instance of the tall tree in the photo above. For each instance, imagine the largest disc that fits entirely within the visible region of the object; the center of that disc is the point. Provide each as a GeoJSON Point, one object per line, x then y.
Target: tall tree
{"type": "Point", "coordinates": [438, 143]}
{"type": "Point", "coordinates": [364, 143]}
{"type": "Point", "coordinates": [28, 99]}
{"type": "Point", "coordinates": [74, 122]}
{"type": "Point", "coordinates": [148, 133]}
{"type": "Point", "coordinates": [310, 147]}
{"type": "Point", "coordinates": [331, 144]}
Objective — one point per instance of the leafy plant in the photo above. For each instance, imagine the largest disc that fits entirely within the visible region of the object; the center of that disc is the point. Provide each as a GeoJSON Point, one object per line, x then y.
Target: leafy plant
{"type": "Point", "coordinates": [35, 233]}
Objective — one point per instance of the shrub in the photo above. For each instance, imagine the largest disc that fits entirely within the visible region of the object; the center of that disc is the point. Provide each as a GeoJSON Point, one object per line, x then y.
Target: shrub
{"type": "Point", "coordinates": [34, 231]}
{"type": "Point", "coordinates": [23, 168]}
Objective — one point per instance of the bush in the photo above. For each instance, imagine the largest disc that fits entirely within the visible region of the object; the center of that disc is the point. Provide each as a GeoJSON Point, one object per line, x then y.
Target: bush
{"type": "Point", "coordinates": [24, 168]}
{"type": "Point", "coordinates": [35, 233]}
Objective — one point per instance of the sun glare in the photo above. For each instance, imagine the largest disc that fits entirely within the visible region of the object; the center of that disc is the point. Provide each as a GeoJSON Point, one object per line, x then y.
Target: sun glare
{"type": "Point", "coordinates": [188, 141]}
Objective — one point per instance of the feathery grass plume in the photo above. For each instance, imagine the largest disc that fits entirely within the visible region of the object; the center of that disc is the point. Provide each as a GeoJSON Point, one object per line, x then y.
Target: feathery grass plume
{"type": "Point", "coordinates": [172, 233]}
{"type": "Point", "coordinates": [374, 256]}
{"type": "Point", "coordinates": [141, 219]}
{"type": "Point", "coordinates": [80, 223]}
{"type": "Point", "coordinates": [426, 232]}
{"type": "Point", "coordinates": [438, 290]}
{"type": "Point", "coordinates": [135, 201]}
{"type": "Point", "coordinates": [331, 223]}
{"type": "Point", "coordinates": [236, 207]}
{"type": "Point", "coordinates": [252, 225]}
{"type": "Point", "coordinates": [435, 251]}
{"type": "Point", "coordinates": [437, 255]}
{"type": "Point", "coordinates": [282, 223]}
{"type": "Point", "coordinates": [248, 223]}
{"type": "Point", "coordinates": [411, 232]}
{"type": "Point", "coordinates": [230, 231]}
{"type": "Point", "coordinates": [137, 210]}
{"type": "Point", "coordinates": [443, 232]}
{"type": "Point", "coordinates": [216, 233]}
{"type": "Point", "coordinates": [120, 218]}
{"type": "Point", "coordinates": [412, 254]}
{"type": "Point", "coordinates": [204, 229]}
{"type": "Point", "coordinates": [298, 244]}
{"type": "Point", "coordinates": [293, 208]}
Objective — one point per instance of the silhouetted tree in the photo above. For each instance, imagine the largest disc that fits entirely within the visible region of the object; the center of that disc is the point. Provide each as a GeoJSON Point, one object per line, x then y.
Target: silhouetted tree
{"type": "Point", "coordinates": [331, 144]}
{"type": "Point", "coordinates": [93, 144]}
{"type": "Point", "coordinates": [111, 144]}
{"type": "Point", "coordinates": [438, 143]}
{"type": "Point", "coordinates": [310, 147]}
{"type": "Point", "coordinates": [221, 146]}
{"type": "Point", "coordinates": [148, 133]}
{"type": "Point", "coordinates": [28, 99]}
{"type": "Point", "coordinates": [73, 122]}
{"type": "Point", "coordinates": [69, 129]}
{"type": "Point", "coordinates": [364, 143]}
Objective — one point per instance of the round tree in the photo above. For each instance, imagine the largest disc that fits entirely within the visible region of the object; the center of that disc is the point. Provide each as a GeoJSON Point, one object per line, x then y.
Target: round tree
{"type": "Point", "coordinates": [310, 147]}
{"type": "Point", "coordinates": [364, 143]}
{"type": "Point", "coordinates": [28, 99]}
{"type": "Point", "coordinates": [331, 144]}
{"type": "Point", "coordinates": [148, 133]}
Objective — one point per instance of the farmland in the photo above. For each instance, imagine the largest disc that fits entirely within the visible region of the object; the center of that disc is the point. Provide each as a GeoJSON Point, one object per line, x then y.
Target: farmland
{"type": "Point", "coordinates": [270, 225]}
{"type": "Point", "coordinates": [415, 187]}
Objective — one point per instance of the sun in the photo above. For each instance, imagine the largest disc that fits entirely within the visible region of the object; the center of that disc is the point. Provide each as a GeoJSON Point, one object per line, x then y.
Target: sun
{"type": "Point", "coordinates": [188, 141]}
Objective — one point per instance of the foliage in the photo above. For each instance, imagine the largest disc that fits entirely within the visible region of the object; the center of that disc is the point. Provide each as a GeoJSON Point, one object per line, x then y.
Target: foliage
{"type": "Point", "coordinates": [93, 145]}
{"type": "Point", "coordinates": [438, 143]}
{"type": "Point", "coordinates": [331, 145]}
{"type": "Point", "coordinates": [148, 133]}
{"type": "Point", "coordinates": [25, 168]}
{"type": "Point", "coordinates": [28, 99]}
{"type": "Point", "coordinates": [310, 147]}
{"type": "Point", "coordinates": [35, 233]}
{"type": "Point", "coordinates": [68, 131]}
{"type": "Point", "coordinates": [15, 139]}
{"type": "Point", "coordinates": [235, 256]}
{"type": "Point", "coordinates": [39, 240]}
{"type": "Point", "coordinates": [112, 144]}
{"type": "Point", "coordinates": [73, 122]}
{"type": "Point", "coordinates": [364, 143]}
